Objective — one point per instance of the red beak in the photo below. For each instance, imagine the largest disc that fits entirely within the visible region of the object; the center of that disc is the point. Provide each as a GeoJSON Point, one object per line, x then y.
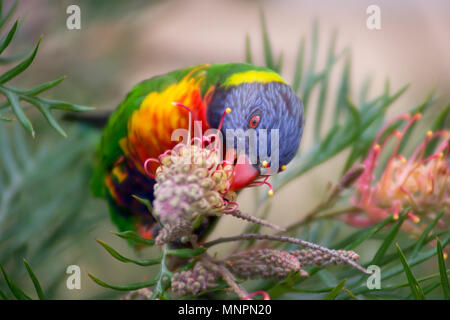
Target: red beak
{"type": "Point", "coordinates": [244, 173]}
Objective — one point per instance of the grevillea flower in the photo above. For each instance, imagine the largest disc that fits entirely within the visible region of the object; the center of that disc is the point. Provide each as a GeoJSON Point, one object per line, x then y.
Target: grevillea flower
{"type": "Point", "coordinates": [141, 294]}
{"type": "Point", "coordinates": [191, 182]}
{"type": "Point", "coordinates": [257, 293]}
{"type": "Point", "coordinates": [312, 257]}
{"type": "Point", "coordinates": [263, 263]}
{"type": "Point", "coordinates": [191, 282]}
{"type": "Point", "coordinates": [419, 185]}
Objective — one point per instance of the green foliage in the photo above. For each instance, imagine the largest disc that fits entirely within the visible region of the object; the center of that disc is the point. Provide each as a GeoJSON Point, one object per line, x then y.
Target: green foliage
{"type": "Point", "coordinates": [162, 280]}
{"type": "Point", "coordinates": [413, 283]}
{"type": "Point", "coordinates": [17, 292]}
{"type": "Point", "coordinates": [128, 287]}
{"type": "Point", "coordinates": [443, 271]}
{"type": "Point", "coordinates": [334, 293]}
{"type": "Point", "coordinates": [15, 96]}
{"type": "Point", "coordinates": [121, 258]}
{"type": "Point", "coordinates": [36, 222]}
{"type": "Point", "coordinates": [35, 280]}
{"type": "Point", "coordinates": [135, 238]}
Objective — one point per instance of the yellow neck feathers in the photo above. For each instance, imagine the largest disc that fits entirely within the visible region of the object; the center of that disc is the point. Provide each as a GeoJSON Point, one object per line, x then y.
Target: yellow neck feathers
{"type": "Point", "coordinates": [252, 76]}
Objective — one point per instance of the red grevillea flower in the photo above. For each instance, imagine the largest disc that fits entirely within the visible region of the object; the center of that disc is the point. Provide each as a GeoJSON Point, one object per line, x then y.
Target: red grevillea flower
{"type": "Point", "coordinates": [420, 184]}
{"type": "Point", "coordinates": [257, 293]}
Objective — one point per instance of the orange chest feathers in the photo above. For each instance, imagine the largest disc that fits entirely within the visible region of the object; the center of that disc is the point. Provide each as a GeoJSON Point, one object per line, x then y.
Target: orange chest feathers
{"type": "Point", "coordinates": [151, 126]}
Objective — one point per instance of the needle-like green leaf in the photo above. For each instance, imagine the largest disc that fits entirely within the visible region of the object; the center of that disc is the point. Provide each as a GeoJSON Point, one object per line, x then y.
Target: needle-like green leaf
{"type": "Point", "coordinates": [129, 287]}
{"type": "Point", "coordinates": [7, 39]}
{"type": "Point", "coordinates": [388, 241]}
{"type": "Point", "coordinates": [297, 80]}
{"type": "Point", "coordinates": [416, 290]}
{"type": "Point", "coordinates": [35, 280]}
{"type": "Point", "coordinates": [43, 87]}
{"type": "Point", "coordinates": [13, 99]}
{"type": "Point", "coordinates": [15, 290]}
{"type": "Point", "coordinates": [423, 237]}
{"type": "Point", "coordinates": [363, 235]}
{"type": "Point", "coordinates": [442, 121]}
{"type": "Point", "coordinates": [443, 271]}
{"type": "Point", "coordinates": [268, 55]}
{"type": "Point", "coordinates": [3, 295]}
{"type": "Point", "coordinates": [135, 238]}
{"type": "Point", "coordinates": [118, 256]}
{"type": "Point", "coordinates": [8, 15]}
{"type": "Point", "coordinates": [8, 75]}
{"type": "Point", "coordinates": [334, 293]}
{"type": "Point", "coordinates": [248, 50]}
{"type": "Point", "coordinates": [185, 253]}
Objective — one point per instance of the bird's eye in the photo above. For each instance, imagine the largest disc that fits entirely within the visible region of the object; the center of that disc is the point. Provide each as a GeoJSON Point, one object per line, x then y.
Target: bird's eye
{"type": "Point", "coordinates": [254, 121]}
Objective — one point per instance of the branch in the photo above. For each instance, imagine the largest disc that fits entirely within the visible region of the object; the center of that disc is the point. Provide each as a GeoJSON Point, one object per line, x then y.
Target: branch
{"type": "Point", "coordinates": [241, 215]}
{"type": "Point", "coordinates": [228, 277]}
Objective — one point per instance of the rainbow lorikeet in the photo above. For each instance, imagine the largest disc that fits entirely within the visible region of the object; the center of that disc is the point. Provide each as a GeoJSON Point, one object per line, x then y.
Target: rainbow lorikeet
{"type": "Point", "coordinates": [141, 128]}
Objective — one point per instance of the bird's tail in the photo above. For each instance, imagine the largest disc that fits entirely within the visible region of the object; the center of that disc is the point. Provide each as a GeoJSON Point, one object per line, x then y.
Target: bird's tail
{"type": "Point", "coordinates": [96, 119]}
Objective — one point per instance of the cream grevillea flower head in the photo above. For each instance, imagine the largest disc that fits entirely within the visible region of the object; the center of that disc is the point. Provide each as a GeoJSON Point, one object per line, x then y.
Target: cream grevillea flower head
{"type": "Point", "coordinates": [191, 181]}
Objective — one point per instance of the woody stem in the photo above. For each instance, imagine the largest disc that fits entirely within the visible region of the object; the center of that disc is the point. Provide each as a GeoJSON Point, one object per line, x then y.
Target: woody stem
{"type": "Point", "coordinates": [227, 276]}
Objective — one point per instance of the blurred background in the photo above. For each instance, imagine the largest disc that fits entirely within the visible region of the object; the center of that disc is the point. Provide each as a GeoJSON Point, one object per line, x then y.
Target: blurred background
{"type": "Point", "coordinates": [121, 43]}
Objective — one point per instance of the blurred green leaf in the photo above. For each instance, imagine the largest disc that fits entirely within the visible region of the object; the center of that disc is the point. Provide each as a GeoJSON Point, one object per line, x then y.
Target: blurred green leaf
{"type": "Point", "coordinates": [135, 238]}
{"type": "Point", "coordinates": [311, 77]}
{"type": "Point", "coordinates": [36, 283]}
{"type": "Point", "coordinates": [297, 80]}
{"type": "Point", "coordinates": [431, 287]}
{"type": "Point", "coordinates": [13, 72]}
{"type": "Point", "coordinates": [3, 295]}
{"type": "Point", "coordinates": [388, 240]}
{"type": "Point", "coordinates": [14, 96]}
{"type": "Point", "coordinates": [42, 223]}
{"type": "Point", "coordinates": [15, 290]}
{"type": "Point", "coordinates": [344, 89]}
{"type": "Point", "coordinates": [443, 271]}
{"type": "Point", "coordinates": [334, 293]}
{"type": "Point", "coordinates": [5, 19]}
{"type": "Point", "coordinates": [325, 76]}
{"type": "Point", "coordinates": [5, 41]}
{"type": "Point", "coordinates": [423, 237]}
{"type": "Point", "coordinates": [248, 52]}
{"type": "Point", "coordinates": [118, 256]}
{"type": "Point", "coordinates": [268, 55]}
{"type": "Point", "coordinates": [414, 285]}
{"type": "Point", "coordinates": [129, 287]}
{"type": "Point", "coordinates": [350, 294]}
{"type": "Point", "coordinates": [185, 253]}
{"type": "Point", "coordinates": [356, 239]}
{"type": "Point", "coordinates": [163, 278]}
{"type": "Point", "coordinates": [421, 108]}
{"type": "Point", "coordinates": [13, 100]}
{"type": "Point", "coordinates": [439, 123]}
{"type": "Point", "coordinates": [144, 201]}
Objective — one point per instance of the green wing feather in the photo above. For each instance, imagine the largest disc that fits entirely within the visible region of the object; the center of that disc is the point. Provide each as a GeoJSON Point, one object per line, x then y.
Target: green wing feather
{"type": "Point", "coordinates": [109, 150]}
